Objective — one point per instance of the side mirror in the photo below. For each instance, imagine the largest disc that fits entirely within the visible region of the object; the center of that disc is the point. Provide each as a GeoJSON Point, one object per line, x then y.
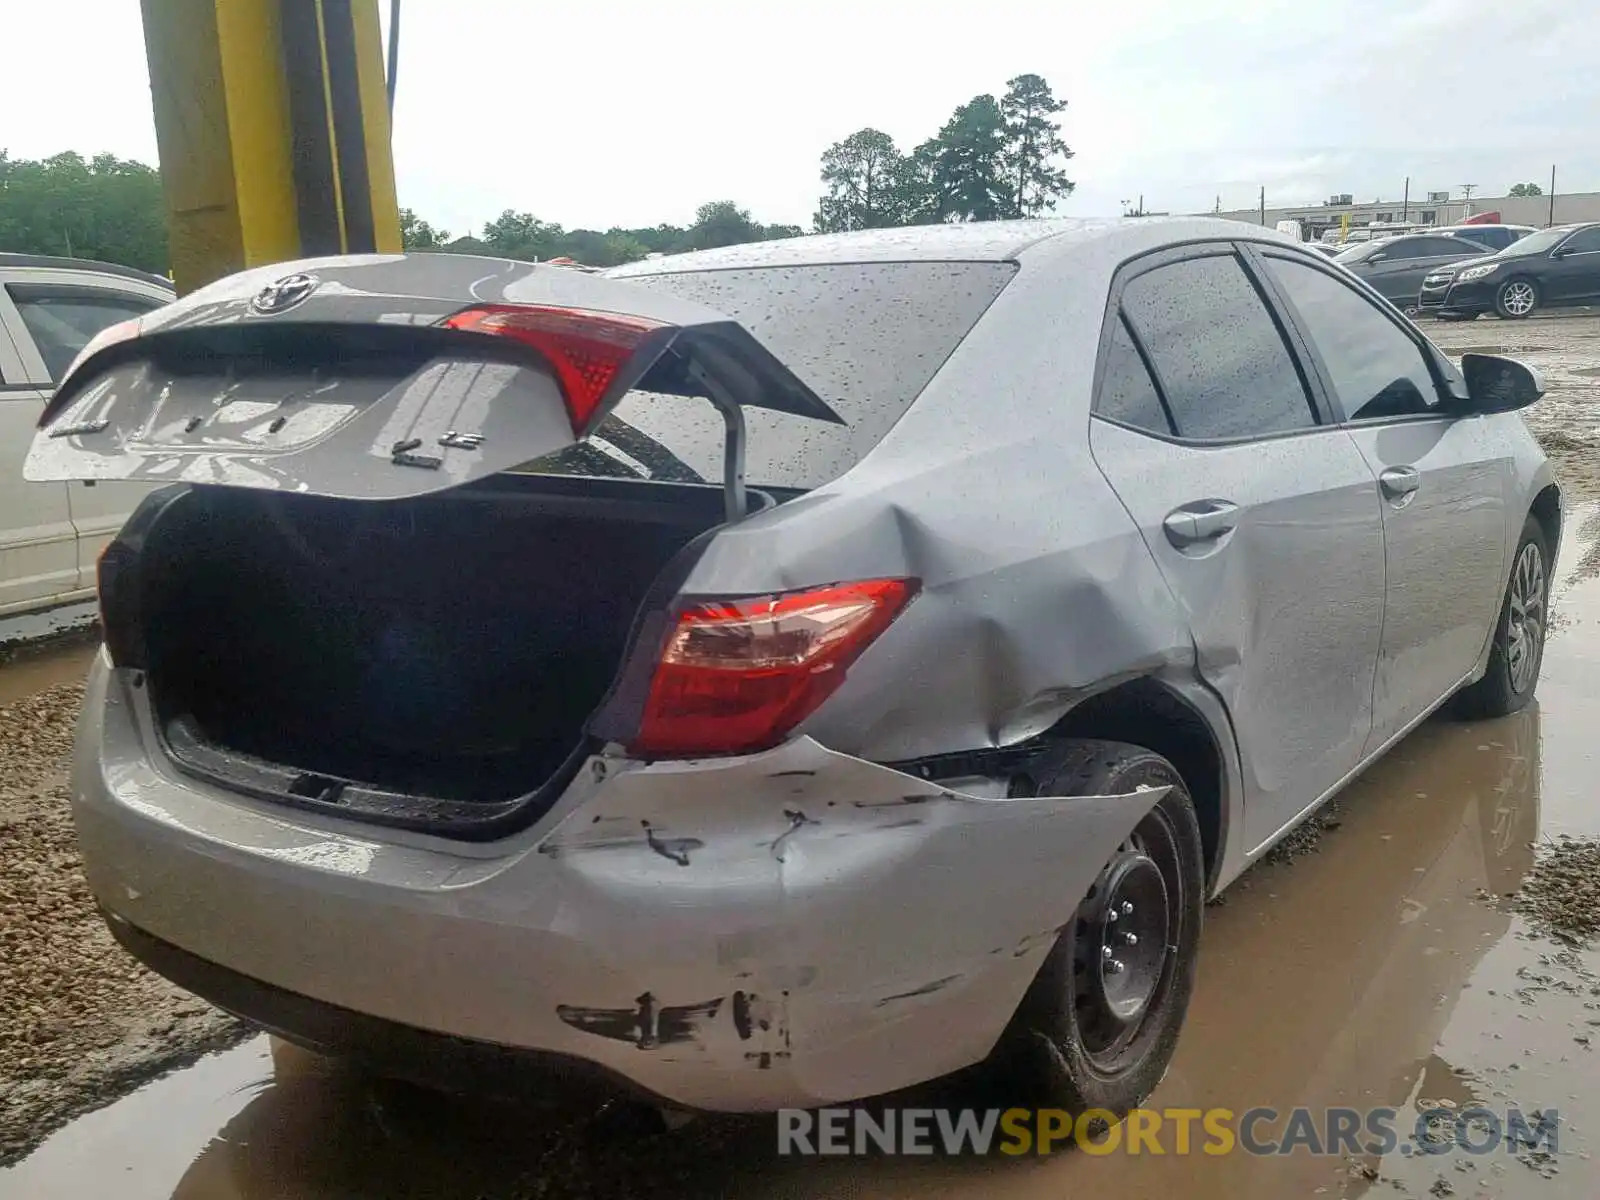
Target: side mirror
{"type": "Point", "coordinates": [1560, 252]}
{"type": "Point", "coordinates": [1497, 385]}
{"type": "Point", "coordinates": [1376, 258]}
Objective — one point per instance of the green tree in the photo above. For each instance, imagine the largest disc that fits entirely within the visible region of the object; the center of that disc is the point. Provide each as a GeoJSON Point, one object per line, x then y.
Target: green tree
{"type": "Point", "coordinates": [522, 235]}
{"type": "Point", "coordinates": [1033, 146]}
{"type": "Point", "coordinates": [868, 181]}
{"type": "Point", "coordinates": [962, 168]}
{"type": "Point", "coordinates": [1526, 189]}
{"type": "Point", "coordinates": [417, 234]}
{"type": "Point", "coordinates": [105, 208]}
{"type": "Point", "coordinates": [720, 223]}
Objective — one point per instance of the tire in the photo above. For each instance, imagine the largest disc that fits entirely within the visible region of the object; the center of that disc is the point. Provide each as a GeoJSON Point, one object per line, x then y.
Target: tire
{"type": "Point", "coordinates": [1062, 1048]}
{"type": "Point", "coordinates": [1519, 634]}
{"type": "Point", "coordinates": [1516, 298]}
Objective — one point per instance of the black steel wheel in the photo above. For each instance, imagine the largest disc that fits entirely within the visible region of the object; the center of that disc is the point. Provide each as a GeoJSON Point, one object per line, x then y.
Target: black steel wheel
{"type": "Point", "coordinates": [1098, 1027]}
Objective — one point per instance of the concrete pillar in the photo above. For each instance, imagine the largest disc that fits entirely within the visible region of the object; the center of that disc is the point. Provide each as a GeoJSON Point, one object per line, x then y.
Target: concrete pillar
{"type": "Point", "coordinates": [272, 125]}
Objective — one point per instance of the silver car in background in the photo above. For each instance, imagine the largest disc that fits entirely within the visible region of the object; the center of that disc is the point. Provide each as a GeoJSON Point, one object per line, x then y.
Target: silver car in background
{"type": "Point", "coordinates": [776, 675]}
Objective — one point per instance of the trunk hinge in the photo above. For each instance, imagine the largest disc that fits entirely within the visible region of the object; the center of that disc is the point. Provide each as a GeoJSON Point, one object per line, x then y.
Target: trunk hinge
{"type": "Point", "coordinates": [733, 441]}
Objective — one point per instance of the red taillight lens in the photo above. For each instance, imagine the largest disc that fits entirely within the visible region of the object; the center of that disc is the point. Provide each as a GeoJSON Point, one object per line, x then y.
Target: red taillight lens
{"type": "Point", "coordinates": [585, 348]}
{"type": "Point", "coordinates": [737, 676]}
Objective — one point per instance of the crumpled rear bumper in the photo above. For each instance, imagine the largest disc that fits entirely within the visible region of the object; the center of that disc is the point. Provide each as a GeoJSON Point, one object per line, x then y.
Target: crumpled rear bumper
{"type": "Point", "coordinates": [790, 928]}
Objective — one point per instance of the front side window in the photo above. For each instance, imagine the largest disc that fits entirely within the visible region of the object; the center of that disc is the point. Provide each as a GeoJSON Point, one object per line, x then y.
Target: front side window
{"type": "Point", "coordinates": [1219, 357]}
{"type": "Point", "coordinates": [61, 320]}
{"type": "Point", "coordinates": [1375, 368]}
{"type": "Point", "coordinates": [1585, 241]}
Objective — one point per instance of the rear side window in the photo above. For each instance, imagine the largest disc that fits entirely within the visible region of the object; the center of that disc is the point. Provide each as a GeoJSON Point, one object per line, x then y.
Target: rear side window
{"type": "Point", "coordinates": [1374, 366]}
{"type": "Point", "coordinates": [1127, 393]}
{"type": "Point", "coordinates": [1219, 357]}
{"type": "Point", "coordinates": [866, 337]}
{"type": "Point", "coordinates": [61, 320]}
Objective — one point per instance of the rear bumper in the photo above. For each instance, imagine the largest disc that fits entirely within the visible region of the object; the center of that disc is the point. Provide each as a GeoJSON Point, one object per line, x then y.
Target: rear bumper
{"type": "Point", "coordinates": [792, 928]}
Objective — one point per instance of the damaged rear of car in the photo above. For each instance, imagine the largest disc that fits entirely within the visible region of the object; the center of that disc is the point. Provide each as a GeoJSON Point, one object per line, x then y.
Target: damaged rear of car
{"type": "Point", "coordinates": [530, 664]}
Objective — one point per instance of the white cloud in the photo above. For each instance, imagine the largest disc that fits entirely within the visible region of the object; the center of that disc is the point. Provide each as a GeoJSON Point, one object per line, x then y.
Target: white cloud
{"type": "Point", "coordinates": [627, 112]}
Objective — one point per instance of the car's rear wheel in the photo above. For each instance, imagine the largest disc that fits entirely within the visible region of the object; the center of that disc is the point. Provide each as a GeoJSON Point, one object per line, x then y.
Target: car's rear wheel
{"type": "Point", "coordinates": [1516, 298]}
{"type": "Point", "coordinates": [1098, 1027]}
{"type": "Point", "coordinates": [1519, 637]}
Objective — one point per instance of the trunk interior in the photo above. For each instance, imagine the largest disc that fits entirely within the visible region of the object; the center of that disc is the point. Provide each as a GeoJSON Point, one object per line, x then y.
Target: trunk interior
{"type": "Point", "coordinates": [450, 647]}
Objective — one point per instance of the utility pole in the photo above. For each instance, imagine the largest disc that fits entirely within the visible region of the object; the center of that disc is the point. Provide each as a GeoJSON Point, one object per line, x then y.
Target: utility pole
{"type": "Point", "coordinates": [1466, 194]}
{"type": "Point", "coordinates": [1551, 220]}
{"type": "Point", "coordinates": [1263, 204]}
{"type": "Point", "coordinates": [1405, 204]}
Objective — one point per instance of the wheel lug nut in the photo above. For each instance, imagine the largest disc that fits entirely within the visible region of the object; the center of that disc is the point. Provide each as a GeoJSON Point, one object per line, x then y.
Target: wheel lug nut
{"type": "Point", "coordinates": [1127, 908]}
{"type": "Point", "coordinates": [1114, 967]}
{"type": "Point", "coordinates": [1112, 915]}
{"type": "Point", "coordinates": [1129, 939]}
{"type": "Point", "coordinates": [1105, 953]}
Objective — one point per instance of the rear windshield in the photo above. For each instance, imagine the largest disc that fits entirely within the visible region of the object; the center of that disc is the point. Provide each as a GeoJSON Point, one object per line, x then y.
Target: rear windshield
{"type": "Point", "coordinates": [866, 337]}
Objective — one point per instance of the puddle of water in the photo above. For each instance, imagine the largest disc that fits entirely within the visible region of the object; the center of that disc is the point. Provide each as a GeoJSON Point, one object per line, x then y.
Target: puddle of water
{"type": "Point", "coordinates": [33, 669]}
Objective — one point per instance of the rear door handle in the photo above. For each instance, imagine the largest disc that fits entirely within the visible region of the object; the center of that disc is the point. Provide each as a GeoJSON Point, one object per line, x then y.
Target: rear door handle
{"type": "Point", "coordinates": [1398, 482]}
{"type": "Point", "coordinates": [1204, 521]}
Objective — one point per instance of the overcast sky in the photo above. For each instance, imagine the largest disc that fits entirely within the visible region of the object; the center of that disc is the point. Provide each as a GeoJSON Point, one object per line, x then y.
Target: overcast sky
{"type": "Point", "coordinates": [612, 112]}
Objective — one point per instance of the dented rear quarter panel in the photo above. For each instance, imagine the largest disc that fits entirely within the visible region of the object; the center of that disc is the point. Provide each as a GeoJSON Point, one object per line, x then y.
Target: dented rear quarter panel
{"type": "Point", "coordinates": [1037, 587]}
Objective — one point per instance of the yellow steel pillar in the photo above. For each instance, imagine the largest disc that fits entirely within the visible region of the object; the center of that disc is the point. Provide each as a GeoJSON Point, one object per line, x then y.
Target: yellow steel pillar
{"type": "Point", "coordinates": [272, 124]}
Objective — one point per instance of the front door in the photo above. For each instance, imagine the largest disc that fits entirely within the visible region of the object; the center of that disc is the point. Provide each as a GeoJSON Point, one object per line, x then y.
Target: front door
{"type": "Point", "coordinates": [38, 545]}
{"type": "Point", "coordinates": [1574, 276]}
{"type": "Point", "coordinates": [1442, 484]}
{"type": "Point", "coordinates": [56, 315]}
{"type": "Point", "coordinates": [1265, 522]}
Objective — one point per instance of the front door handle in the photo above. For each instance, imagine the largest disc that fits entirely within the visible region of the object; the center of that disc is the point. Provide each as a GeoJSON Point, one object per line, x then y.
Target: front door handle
{"type": "Point", "coordinates": [1204, 521]}
{"type": "Point", "coordinates": [1399, 482]}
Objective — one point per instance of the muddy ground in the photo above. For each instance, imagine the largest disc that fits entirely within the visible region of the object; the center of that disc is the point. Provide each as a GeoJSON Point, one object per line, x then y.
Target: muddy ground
{"type": "Point", "coordinates": [79, 1021]}
{"type": "Point", "coordinates": [1428, 941]}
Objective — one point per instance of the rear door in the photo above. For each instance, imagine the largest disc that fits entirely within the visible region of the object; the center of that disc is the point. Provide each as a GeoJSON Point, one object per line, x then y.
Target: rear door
{"type": "Point", "coordinates": [38, 545]}
{"type": "Point", "coordinates": [58, 313]}
{"type": "Point", "coordinates": [1442, 480]}
{"type": "Point", "coordinates": [1261, 513]}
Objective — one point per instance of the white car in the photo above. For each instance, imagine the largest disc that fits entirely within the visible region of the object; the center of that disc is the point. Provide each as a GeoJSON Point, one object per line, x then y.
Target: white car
{"type": "Point", "coordinates": [51, 535]}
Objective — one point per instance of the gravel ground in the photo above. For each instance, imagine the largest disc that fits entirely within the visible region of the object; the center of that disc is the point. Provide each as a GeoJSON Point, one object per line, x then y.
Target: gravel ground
{"type": "Point", "coordinates": [1561, 895]}
{"type": "Point", "coordinates": [80, 1022]}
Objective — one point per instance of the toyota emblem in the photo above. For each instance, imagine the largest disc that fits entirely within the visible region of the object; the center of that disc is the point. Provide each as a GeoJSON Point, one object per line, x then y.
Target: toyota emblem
{"type": "Point", "coordinates": [283, 294]}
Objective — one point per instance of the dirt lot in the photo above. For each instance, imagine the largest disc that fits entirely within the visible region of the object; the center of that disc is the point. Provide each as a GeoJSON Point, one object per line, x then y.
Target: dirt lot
{"type": "Point", "coordinates": [79, 1021]}
{"type": "Point", "coordinates": [1427, 941]}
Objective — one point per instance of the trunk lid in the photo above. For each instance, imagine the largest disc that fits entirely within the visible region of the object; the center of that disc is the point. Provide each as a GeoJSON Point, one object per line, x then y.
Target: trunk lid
{"type": "Point", "coordinates": [336, 377]}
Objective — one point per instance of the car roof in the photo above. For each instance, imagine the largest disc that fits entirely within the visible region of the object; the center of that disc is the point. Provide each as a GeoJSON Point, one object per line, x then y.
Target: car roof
{"type": "Point", "coordinates": [980, 241]}
{"type": "Point", "coordinates": [55, 262]}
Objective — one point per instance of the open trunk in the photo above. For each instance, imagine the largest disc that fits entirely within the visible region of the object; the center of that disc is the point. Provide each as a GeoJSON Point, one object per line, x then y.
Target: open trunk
{"type": "Point", "coordinates": [428, 662]}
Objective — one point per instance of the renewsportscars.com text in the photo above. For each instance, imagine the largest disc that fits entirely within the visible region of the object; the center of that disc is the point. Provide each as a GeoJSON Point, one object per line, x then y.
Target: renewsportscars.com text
{"type": "Point", "coordinates": [1165, 1131]}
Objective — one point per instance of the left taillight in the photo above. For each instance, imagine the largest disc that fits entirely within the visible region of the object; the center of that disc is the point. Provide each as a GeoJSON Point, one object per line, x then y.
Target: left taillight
{"type": "Point", "coordinates": [586, 349]}
{"type": "Point", "coordinates": [737, 676]}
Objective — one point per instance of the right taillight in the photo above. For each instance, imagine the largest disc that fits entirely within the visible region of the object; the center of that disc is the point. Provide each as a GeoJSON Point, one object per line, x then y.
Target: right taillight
{"type": "Point", "coordinates": [737, 676]}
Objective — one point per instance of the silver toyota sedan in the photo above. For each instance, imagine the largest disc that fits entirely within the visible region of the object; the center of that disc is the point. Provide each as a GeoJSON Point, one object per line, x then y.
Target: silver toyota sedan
{"type": "Point", "coordinates": [775, 675]}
